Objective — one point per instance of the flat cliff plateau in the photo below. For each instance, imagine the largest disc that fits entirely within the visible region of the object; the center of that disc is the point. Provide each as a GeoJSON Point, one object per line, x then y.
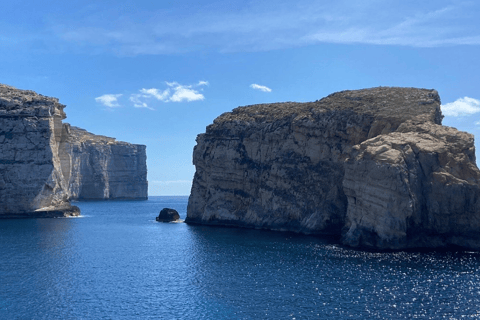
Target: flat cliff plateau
{"type": "Point", "coordinates": [374, 167]}
{"type": "Point", "coordinates": [44, 163]}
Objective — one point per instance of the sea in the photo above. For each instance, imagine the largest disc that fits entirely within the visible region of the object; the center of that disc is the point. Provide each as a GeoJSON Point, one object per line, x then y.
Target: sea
{"type": "Point", "coordinates": [117, 262]}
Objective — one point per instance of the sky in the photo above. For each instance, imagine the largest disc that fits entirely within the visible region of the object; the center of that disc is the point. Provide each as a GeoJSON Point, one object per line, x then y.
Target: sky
{"type": "Point", "coordinates": [158, 72]}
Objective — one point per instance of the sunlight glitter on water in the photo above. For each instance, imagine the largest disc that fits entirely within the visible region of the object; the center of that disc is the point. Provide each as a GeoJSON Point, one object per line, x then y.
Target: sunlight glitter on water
{"type": "Point", "coordinates": [120, 263]}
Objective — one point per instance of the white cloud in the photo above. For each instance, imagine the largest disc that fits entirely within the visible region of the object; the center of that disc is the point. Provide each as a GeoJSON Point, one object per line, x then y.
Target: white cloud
{"type": "Point", "coordinates": [461, 107]}
{"type": "Point", "coordinates": [109, 100]}
{"type": "Point", "coordinates": [172, 84]}
{"type": "Point", "coordinates": [159, 95]}
{"type": "Point", "coordinates": [174, 93]}
{"type": "Point", "coordinates": [261, 88]}
{"type": "Point", "coordinates": [139, 99]}
{"type": "Point", "coordinates": [184, 93]}
{"type": "Point", "coordinates": [138, 102]}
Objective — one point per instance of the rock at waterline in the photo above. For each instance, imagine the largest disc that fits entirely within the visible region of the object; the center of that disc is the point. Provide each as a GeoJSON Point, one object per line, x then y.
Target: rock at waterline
{"type": "Point", "coordinates": [45, 163]}
{"type": "Point", "coordinates": [168, 215]}
{"type": "Point", "coordinates": [373, 166]}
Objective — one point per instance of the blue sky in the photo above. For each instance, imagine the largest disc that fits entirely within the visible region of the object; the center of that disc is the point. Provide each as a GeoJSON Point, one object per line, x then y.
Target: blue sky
{"type": "Point", "coordinates": [158, 72]}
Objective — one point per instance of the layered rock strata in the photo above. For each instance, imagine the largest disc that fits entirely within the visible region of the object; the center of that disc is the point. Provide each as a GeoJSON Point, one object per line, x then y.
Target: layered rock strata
{"type": "Point", "coordinates": [417, 187]}
{"type": "Point", "coordinates": [31, 179]}
{"type": "Point", "coordinates": [101, 168]}
{"type": "Point", "coordinates": [373, 166]}
{"type": "Point", "coordinates": [42, 160]}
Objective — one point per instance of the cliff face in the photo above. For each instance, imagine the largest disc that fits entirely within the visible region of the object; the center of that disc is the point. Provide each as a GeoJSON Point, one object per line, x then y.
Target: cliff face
{"type": "Point", "coordinates": [374, 166]}
{"type": "Point", "coordinates": [418, 186]}
{"type": "Point", "coordinates": [45, 163]}
{"type": "Point", "coordinates": [100, 168]}
{"type": "Point", "coordinates": [31, 180]}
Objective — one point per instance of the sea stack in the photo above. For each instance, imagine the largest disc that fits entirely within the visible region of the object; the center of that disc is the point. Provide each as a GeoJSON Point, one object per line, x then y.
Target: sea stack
{"type": "Point", "coordinates": [44, 163]}
{"type": "Point", "coordinates": [374, 167]}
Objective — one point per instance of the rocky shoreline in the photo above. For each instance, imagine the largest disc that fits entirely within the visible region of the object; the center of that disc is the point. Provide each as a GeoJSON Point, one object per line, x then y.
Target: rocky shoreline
{"type": "Point", "coordinates": [374, 167]}
{"type": "Point", "coordinates": [65, 211]}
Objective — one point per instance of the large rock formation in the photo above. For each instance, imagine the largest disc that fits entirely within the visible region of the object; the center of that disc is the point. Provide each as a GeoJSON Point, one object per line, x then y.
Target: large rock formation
{"type": "Point", "coordinates": [417, 187]}
{"type": "Point", "coordinates": [43, 161]}
{"type": "Point", "coordinates": [31, 176]}
{"type": "Point", "coordinates": [99, 168]}
{"type": "Point", "coordinates": [374, 166]}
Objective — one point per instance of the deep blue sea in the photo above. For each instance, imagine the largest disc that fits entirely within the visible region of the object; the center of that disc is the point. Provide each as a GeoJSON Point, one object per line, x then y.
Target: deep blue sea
{"type": "Point", "coordinates": [117, 262]}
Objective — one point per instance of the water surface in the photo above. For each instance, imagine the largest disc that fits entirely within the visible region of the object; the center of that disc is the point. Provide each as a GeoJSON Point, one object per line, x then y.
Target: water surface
{"type": "Point", "coordinates": [117, 262]}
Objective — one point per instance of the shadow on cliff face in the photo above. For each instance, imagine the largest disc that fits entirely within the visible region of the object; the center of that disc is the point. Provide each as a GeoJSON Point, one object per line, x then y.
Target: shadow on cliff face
{"type": "Point", "coordinates": [374, 165]}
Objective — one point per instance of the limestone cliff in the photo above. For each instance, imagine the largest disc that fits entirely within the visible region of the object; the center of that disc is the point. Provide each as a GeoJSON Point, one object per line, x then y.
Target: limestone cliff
{"type": "Point", "coordinates": [417, 187]}
{"type": "Point", "coordinates": [100, 168]}
{"type": "Point", "coordinates": [31, 179]}
{"type": "Point", "coordinates": [45, 163]}
{"type": "Point", "coordinates": [374, 166]}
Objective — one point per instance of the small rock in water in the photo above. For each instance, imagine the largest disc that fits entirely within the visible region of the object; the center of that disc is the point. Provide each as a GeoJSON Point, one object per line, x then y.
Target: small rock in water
{"type": "Point", "coordinates": [168, 215]}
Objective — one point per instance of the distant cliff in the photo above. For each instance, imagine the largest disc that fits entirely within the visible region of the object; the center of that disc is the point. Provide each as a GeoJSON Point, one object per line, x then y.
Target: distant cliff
{"type": "Point", "coordinates": [100, 168]}
{"type": "Point", "coordinates": [373, 166]}
{"type": "Point", "coordinates": [45, 163]}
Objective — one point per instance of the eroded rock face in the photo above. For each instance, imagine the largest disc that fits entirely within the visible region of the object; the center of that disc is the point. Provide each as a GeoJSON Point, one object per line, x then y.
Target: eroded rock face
{"type": "Point", "coordinates": [30, 170]}
{"type": "Point", "coordinates": [44, 163]}
{"type": "Point", "coordinates": [373, 165]}
{"type": "Point", "coordinates": [417, 187]}
{"type": "Point", "coordinates": [102, 168]}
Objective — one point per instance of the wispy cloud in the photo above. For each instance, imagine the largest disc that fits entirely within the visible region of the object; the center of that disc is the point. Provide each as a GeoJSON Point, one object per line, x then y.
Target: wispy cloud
{"type": "Point", "coordinates": [157, 94]}
{"type": "Point", "coordinates": [174, 92]}
{"type": "Point", "coordinates": [461, 107]}
{"type": "Point", "coordinates": [267, 25]}
{"type": "Point", "coordinates": [109, 100]}
{"type": "Point", "coordinates": [260, 87]}
{"type": "Point", "coordinates": [138, 100]}
{"type": "Point", "coordinates": [430, 28]}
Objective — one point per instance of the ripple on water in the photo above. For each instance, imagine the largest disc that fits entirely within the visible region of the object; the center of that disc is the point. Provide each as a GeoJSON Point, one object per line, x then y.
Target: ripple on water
{"type": "Point", "coordinates": [118, 264]}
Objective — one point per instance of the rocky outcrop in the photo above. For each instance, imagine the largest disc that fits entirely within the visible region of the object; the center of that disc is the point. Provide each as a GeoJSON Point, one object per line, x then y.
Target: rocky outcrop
{"type": "Point", "coordinates": [373, 166]}
{"type": "Point", "coordinates": [45, 163]}
{"type": "Point", "coordinates": [168, 215]}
